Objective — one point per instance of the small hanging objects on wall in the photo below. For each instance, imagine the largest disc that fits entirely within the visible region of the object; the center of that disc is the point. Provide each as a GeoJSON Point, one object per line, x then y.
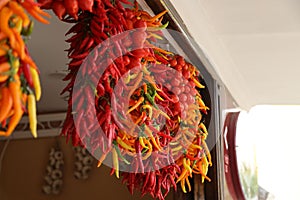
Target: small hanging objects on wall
{"type": "Point", "coordinates": [83, 163]}
{"type": "Point", "coordinates": [54, 172]}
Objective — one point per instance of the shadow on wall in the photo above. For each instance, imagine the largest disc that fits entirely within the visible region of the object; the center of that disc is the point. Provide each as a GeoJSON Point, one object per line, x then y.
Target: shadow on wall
{"type": "Point", "coordinates": [24, 168]}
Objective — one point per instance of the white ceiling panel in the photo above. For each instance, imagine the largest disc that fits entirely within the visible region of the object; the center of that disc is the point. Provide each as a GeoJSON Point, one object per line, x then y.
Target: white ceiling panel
{"type": "Point", "coordinates": [253, 45]}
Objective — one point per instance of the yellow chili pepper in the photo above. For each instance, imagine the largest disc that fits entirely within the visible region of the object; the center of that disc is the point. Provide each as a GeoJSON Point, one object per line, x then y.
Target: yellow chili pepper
{"type": "Point", "coordinates": [32, 114]}
{"type": "Point", "coordinates": [115, 162]}
{"type": "Point", "coordinates": [149, 133]}
{"type": "Point", "coordinates": [203, 128]}
{"type": "Point", "coordinates": [182, 175]}
{"type": "Point", "coordinates": [178, 148]}
{"type": "Point", "coordinates": [182, 183]}
{"type": "Point", "coordinates": [159, 97]}
{"type": "Point", "coordinates": [36, 83]}
{"type": "Point", "coordinates": [199, 85]}
{"type": "Point", "coordinates": [141, 140]}
{"type": "Point", "coordinates": [155, 36]}
{"type": "Point", "coordinates": [186, 165]}
{"type": "Point", "coordinates": [149, 108]}
{"type": "Point", "coordinates": [207, 152]}
{"type": "Point", "coordinates": [204, 168]}
{"type": "Point", "coordinates": [149, 152]}
{"type": "Point", "coordinates": [194, 146]}
{"type": "Point", "coordinates": [201, 104]}
{"type": "Point", "coordinates": [188, 183]}
{"type": "Point", "coordinates": [124, 145]}
{"type": "Point", "coordinates": [164, 114]}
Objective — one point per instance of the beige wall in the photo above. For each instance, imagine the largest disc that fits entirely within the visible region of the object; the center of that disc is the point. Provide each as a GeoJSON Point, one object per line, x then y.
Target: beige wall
{"type": "Point", "coordinates": [24, 166]}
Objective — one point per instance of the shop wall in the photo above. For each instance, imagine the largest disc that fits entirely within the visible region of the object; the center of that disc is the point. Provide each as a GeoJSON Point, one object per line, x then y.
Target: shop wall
{"type": "Point", "coordinates": [24, 165]}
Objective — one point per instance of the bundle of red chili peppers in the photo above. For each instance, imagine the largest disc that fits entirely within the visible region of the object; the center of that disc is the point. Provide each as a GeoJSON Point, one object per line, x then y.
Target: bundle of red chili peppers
{"type": "Point", "coordinates": [19, 79]}
{"type": "Point", "coordinates": [146, 101]}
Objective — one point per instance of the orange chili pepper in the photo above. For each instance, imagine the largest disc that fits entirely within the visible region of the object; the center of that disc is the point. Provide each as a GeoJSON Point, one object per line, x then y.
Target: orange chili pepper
{"type": "Point", "coordinates": [183, 174]}
{"type": "Point", "coordinates": [156, 17]}
{"type": "Point", "coordinates": [15, 90]}
{"type": "Point", "coordinates": [35, 11]}
{"type": "Point", "coordinates": [21, 45]}
{"type": "Point", "coordinates": [3, 3]}
{"type": "Point", "coordinates": [18, 10]}
{"type": "Point", "coordinates": [163, 51]}
{"type": "Point", "coordinates": [27, 59]}
{"type": "Point", "coordinates": [101, 159]}
{"type": "Point", "coordinates": [145, 88]}
{"type": "Point", "coordinates": [5, 15]}
{"type": "Point", "coordinates": [2, 36]}
{"type": "Point", "coordinates": [4, 67]}
{"type": "Point", "coordinates": [6, 103]}
{"type": "Point", "coordinates": [139, 102]}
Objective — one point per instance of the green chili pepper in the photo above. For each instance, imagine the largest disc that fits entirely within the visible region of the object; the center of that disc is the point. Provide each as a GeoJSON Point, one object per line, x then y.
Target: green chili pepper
{"type": "Point", "coordinates": [119, 153]}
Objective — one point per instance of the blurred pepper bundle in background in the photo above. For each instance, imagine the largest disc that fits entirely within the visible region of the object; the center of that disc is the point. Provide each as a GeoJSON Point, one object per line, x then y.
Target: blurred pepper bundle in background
{"type": "Point", "coordinates": [19, 78]}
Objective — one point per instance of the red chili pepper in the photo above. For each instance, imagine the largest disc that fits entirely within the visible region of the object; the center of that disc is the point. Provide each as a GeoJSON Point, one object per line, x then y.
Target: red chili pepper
{"type": "Point", "coordinates": [138, 149]}
{"type": "Point", "coordinates": [165, 96]}
{"type": "Point", "coordinates": [107, 3]}
{"type": "Point", "coordinates": [126, 2]}
{"type": "Point", "coordinates": [76, 141]}
{"type": "Point", "coordinates": [75, 63]}
{"type": "Point", "coordinates": [120, 6]}
{"type": "Point", "coordinates": [72, 8]}
{"type": "Point", "coordinates": [130, 184]}
{"type": "Point", "coordinates": [91, 44]}
{"type": "Point", "coordinates": [75, 37]}
{"type": "Point", "coordinates": [78, 27]}
{"type": "Point", "coordinates": [59, 9]}
{"type": "Point", "coordinates": [139, 38]}
{"type": "Point", "coordinates": [67, 124]}
{"type": "Point", "coordinates": [161, 59]}
{"type": "Point", "coordinates": [68, 87]}
{"type": "Point", "coordinates": [140, 24]}
{"type": "Point", "coordinates": [86, 5]}
{"type": "Point", "coordinates": [26, 70]}
{"type": "Point", "coordinates": [45, 4]}
{"type": "Point", "coordinates": [79, 56]}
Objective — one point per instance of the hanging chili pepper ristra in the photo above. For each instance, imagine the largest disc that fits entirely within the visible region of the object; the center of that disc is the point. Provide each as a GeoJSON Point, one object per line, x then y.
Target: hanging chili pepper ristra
{"type": "Point", "coordinates": [160, 134]}
{"type": "Point", "coordinates": [19, 79]}
{"type": "Point", "coordinates": [91, 29]}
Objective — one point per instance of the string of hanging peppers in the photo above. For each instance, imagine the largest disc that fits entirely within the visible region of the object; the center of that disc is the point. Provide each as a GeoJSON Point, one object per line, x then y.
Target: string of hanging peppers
{"type": "Point", "coordinates": [160, 133]}
{"type": "Point", "coordinates": [149, 150]}
{"type": "Point", "coordinates": [19, 78]}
